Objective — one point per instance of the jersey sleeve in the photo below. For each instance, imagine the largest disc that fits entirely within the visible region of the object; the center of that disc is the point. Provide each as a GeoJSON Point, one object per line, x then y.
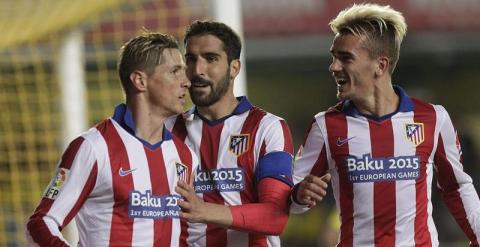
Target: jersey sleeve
{"type": "Point", "coordinates": [454, 184]}
{"type": "Point", "coordinates": [73, 181]}
{"type": "Point", "coordinates": [310, 159]}
{"type": "Point", "coordinates": [276, 153]}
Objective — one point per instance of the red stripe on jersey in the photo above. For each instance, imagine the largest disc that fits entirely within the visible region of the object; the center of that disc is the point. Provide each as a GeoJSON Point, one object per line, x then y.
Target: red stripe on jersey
{"type": "Point", "coordinates": [424, 113]}
{"type": "Point", "coordinates": [246, 162]}
{"type": "Point", "coordinates": [36, 226]}
{"type": "Point", "coordinates": [321, 165]}
{"type": "Point", "coordinates": [450, 194]}
{"type": "Point", "coordinates": [186, 159]}
{"type": "Point", "coordinates": [87, 188]}
{"type": "Point", "coordinates": [71, 153]}
{"type": "Point", "coordinates": [121, 228]}
{"type": "Point", "coordinates": [162, 228]}
{"type": "Point", "coordinates": [263, 149]}
{"type": "Point", "coordinates": [336, 125]}
{"type": "Point", "coordinates": [179, 129]}
{"type": "Point", "coordinates": [209, 145]}
{"type": "Point", "coordinates": [287, 137]}
{"type": "Point", "coordinates": [384, 193]}
{"type": "Point", "coordinates": [185, 155]}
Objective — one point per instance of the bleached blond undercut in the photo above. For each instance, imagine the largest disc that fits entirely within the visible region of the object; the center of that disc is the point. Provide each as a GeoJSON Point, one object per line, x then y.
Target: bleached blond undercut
{"type": "Point", "coordinates": [383, 27]}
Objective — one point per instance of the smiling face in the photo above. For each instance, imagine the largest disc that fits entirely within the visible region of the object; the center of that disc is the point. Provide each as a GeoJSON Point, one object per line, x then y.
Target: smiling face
{"type": "Point", "coordinates": [167, 85]}
{"type": "Point", "coordinates": [352, 67]}
{"type": "Point", "coordinates": [208, 69]}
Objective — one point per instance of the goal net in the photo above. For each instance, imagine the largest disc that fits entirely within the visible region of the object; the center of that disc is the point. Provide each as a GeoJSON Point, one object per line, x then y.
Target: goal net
{"type": "Point", "coordinates": [35, 49]}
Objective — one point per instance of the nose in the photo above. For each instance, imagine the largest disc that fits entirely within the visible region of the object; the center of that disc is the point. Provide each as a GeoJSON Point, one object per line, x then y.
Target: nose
{"type": "Point", "coordinates": [185, 81]}
{"type": "Point", "coordinates": [335, 66]}
{"type": "Point", "coordinates": [199, 67]}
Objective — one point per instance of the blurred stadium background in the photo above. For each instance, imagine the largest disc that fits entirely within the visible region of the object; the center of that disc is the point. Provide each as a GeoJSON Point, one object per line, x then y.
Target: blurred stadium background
{"type": "Point", "coordinates": [286, 55]}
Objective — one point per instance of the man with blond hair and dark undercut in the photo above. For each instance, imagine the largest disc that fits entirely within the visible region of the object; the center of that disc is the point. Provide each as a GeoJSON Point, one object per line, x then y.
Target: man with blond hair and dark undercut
{"type": "Point", "coordinates": [381, 146]}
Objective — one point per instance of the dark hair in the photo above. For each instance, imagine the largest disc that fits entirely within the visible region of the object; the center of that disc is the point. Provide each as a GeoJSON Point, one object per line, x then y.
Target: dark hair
{"type": "Point", "coordinates": [231, 41]}
{"type": "Point", "coordinates": [144, 53]}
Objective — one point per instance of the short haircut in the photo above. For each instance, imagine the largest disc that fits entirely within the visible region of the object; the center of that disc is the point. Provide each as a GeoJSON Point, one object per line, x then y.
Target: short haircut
{"type": "Point", "coordinates": [383, 27]}
{"type": "Point", "coordinates": [144, 53]}
{"type": "Point", "coordinates": [231, 41]}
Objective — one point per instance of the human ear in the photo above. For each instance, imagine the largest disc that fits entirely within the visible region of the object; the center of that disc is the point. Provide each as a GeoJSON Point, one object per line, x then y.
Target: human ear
{"type": "Point", "coordinates": [383, 65]}
{"type": "Point", "coordinates": [139, 80]}
{"type": "Point", "coordinates": [235, 66]}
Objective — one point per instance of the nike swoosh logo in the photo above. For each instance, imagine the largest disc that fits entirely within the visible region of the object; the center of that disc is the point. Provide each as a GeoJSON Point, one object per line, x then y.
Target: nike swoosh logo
{"type": "Point", "coordinates": [124, 173]}
{"type": "Point", "coordinates": [340, 142]}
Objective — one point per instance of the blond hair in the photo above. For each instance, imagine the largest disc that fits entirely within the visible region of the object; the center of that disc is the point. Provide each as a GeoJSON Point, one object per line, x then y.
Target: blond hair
{"type": "Point", "coordinates": [383, 27]}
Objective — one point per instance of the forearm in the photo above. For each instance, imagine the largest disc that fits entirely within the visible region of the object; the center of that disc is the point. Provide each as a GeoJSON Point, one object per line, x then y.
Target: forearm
{"type": "Point", "coordinates": [43, 231]}
{"type": "Point", "coordinates": [270, 215]}
{"type": "Point", "coordinates": [217, 214]}
{"type": "Point", "coordinates": [262, 218]}
{"type": "Point", "coordinates": [463, 205]}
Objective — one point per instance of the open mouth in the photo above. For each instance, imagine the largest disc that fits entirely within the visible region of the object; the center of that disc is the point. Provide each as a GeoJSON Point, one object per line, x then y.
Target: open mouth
{"type": "Point", "coordinates": [182, 97]}
{"type": "Point", "coordinates": [340, 81]}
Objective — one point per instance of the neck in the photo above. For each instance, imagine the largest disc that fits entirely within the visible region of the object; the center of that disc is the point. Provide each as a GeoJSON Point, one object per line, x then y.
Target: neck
{"type": "Point", "coordinates": [148, 121]}
{"type": "Point", "coordinates": [382, 101]}
{"type": "Point", "coordinates": [219, 109]}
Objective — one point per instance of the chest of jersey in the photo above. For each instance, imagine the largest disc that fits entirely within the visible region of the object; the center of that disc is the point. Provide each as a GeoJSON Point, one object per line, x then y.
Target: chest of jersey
{"type": "Point", "coordinates": [391, 150]}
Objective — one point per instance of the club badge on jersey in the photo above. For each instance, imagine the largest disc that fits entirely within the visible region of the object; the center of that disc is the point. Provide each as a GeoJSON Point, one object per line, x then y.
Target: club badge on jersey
{"type": "Point", "coordinates": [182, 172]}
{"type": "Point", "coordinates": [56, 184]}
{"type": "Point", "coordinates": [239, 144]}
{"type": "Point", "coordinates": [415, 133]}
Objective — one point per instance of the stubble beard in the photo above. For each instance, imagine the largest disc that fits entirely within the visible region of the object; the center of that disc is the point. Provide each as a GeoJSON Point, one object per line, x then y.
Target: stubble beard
{"type": "Point", "coordinates": [216, 93]}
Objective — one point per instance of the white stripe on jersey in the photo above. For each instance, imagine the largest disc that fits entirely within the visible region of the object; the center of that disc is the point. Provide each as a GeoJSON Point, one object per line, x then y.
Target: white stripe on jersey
{"type": "Point", "coordinates": [405, 209]}
{"type": "Point", "coordinates": [362, 228]}
{"type": "Point", "coordinates": [231, 126]}
{"type": "Point", "coordinates": [97, 231]}
{"type": "Point", "coordinates": [142, 228]}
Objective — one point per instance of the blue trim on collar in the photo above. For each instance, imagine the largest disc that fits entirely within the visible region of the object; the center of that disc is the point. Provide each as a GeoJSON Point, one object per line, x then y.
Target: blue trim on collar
{"type": "Point", "coordinates": [243, 106]}
{"type": "Point", "coordinates": [406, 105]}
{"type": "Point", "coordinates": [123, 116]}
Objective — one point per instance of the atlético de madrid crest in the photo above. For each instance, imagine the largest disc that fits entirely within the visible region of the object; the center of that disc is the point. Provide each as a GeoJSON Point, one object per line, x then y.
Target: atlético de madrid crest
{"type": "Point", "coordinates": [415, 133]}
{"type": "Point", "coordinates": [182, 171]}
{"type": "Point", "coordinates": [238, 144]}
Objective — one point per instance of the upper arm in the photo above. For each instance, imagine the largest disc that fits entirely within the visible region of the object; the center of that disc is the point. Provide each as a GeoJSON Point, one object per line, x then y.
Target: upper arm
{"type": "Point", "coordinates": [311, 156]}
{"type": "Point", "coordinates": [276, 153]}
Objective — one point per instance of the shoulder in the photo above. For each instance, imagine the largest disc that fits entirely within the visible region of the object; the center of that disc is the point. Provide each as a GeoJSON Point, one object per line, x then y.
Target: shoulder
{"type": "Point", "coordinates": [97, 132]}
{"type": "Point", "coordinates": [428, 108]}
{"type": "Point", "coordinates": [264, 117]}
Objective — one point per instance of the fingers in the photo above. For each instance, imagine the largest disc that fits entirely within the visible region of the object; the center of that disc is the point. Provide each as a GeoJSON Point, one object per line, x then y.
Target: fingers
{"type": "Point", "coordinates": [188, 196]}
{"type": "Point", "coordinates": [184, 189]}
{"type": "Point", "coordinates": [326, 178]}
{"type": "Point", "coordinates": [313, 189]}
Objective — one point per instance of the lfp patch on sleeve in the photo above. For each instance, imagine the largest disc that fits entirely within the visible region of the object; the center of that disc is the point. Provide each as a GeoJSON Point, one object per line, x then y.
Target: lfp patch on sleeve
{"type": "Point", "coordinates": [56, 184]}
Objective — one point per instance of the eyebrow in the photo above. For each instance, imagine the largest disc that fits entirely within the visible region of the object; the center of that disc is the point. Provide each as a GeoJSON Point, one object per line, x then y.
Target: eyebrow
{"type": "Point", "coordinates": [341, 53]}
{"type": "Point", "coordinates": [204, 54]}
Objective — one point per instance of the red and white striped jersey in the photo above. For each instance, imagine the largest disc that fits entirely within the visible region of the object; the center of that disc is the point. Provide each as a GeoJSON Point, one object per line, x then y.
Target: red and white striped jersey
{"type": "Point", "coordinates": [119, 188]}
{"type": "Point", "coordinates": [382, 173]}
{"type": "Point", "coordinates": [235, 153]}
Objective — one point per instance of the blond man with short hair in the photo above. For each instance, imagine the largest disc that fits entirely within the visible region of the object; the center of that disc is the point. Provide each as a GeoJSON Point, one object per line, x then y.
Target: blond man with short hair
{"type": "Point", "coordinates": [381, 146]}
